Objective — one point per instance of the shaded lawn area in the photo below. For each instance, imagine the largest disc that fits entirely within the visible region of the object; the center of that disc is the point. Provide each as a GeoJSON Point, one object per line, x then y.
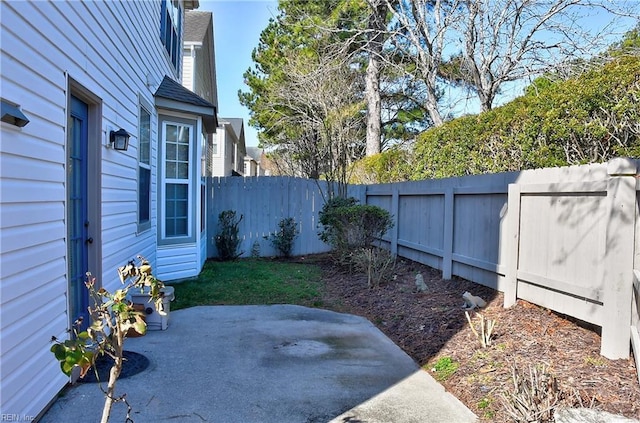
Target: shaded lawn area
{"type": "Point", "coordinates": [251, 282]}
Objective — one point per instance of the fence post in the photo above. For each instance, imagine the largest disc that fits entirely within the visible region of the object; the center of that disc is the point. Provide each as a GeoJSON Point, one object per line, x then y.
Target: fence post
{"type": "Point", "coordinates": [395, 208]}
{"type": "Point", "coordinates": [447, 247]}
{"type": "Point", "coordinates": [513, 245]}
{"type": "Point", "coordinates": [618, 262]}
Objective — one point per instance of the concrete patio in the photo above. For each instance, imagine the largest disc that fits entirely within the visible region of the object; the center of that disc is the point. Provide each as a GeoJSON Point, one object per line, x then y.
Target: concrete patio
{"type": "Point", "coordinates": [268, 364]}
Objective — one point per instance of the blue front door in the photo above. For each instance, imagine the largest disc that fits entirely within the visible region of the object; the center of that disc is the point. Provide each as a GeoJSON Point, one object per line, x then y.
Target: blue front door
{"type": "Point", "coordinates": [77, 212]}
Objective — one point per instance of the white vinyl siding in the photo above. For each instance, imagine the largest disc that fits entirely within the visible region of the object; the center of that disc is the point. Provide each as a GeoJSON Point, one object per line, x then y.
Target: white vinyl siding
{"type": "Point", "coordinates": [44, 45]}
{"type": "Point", "coordinates": [187, 68]}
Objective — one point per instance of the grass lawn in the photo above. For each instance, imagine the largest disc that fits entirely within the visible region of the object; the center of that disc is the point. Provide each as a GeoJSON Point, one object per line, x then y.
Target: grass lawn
{"type": "Point", "coordinates": [251, 281]}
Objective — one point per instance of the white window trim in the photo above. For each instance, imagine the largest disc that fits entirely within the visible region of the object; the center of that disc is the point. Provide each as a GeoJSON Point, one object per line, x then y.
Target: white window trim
{"type": "Point", "coordinates": [164, 180]}
{"type": "Point", "coordinates": [142, 104]}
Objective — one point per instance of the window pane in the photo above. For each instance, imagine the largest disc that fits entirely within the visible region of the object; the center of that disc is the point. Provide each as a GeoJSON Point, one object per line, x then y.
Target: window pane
{"type": "Point", "coordinates": [171, 151]}
{"type": "Point", "coordinates": [172, 133]}
{"type": "Point", "coordinates": [177, 207]}
{"type": "Point", "coordinates": [144, 198]}
{"type": "Point", "coordinates": [171, 172]}
{"type": "Point", "coordinates": [183, 152]}
{"type": "Point", "coordinates": [181, 226]}
{"type": "Point", "coordinates": [145, 136]}
{"type": "Point", "coordinates": [181, 191]}
{"type": "Point", "coordinates": [181, 208]}
{"type": "Point", "coordinates": [183, 171]}
{"type": "Point", "coordinates": [184, 134]}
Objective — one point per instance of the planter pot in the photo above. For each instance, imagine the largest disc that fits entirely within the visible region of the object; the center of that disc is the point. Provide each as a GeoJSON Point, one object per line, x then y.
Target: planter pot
{"type": "Point", "coordinates": [155, 320]}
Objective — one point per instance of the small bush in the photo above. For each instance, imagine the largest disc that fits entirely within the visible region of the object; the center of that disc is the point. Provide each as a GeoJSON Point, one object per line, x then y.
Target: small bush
{"type": "Point", "coordinates": [286, 235]}
{"type": "Point", "coordinates": [349, 226]}
{"type": "Point", "coordinates": [227, 239]}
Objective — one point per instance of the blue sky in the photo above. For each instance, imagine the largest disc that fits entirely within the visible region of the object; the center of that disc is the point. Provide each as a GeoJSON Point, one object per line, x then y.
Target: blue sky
{"type": "Point", "coordinates": [237, 25]}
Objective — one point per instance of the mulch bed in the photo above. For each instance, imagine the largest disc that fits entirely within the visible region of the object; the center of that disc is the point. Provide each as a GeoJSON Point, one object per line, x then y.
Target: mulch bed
{"type": "Point", "coordinates": [432, 325]}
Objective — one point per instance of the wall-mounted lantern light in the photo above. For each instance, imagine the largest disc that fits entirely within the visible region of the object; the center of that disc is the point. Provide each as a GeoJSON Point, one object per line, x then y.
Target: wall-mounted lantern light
{"type": "Point", "coordinates": [12, 114]}
{"type": "Point", "coordinates": [119, 139]}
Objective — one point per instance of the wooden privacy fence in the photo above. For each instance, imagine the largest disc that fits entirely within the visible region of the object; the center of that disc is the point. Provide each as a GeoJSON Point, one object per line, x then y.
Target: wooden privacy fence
{"type": "Point", "coordinates": [563, 238]}
{"type": "Point", "coordinates": [264, 202]}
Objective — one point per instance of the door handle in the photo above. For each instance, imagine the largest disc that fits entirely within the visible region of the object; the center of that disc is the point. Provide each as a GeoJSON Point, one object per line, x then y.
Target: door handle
{"type": "Point", "coordinates": [89, 240]}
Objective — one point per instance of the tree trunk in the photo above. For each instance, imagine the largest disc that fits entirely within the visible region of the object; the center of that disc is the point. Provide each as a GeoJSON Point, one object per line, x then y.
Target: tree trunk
{"type": "Point", "coordinates": [377, 27]}
{"type": "Point", "coordinates": [374, 107]}
{"type": "Point", "coordinates": [114, 373]}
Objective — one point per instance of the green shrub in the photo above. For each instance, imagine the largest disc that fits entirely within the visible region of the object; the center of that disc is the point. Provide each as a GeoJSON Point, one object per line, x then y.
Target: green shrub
{"type": "Point", "coordinates": [283, 239]}
{"type": "Point", "coordinates": [389, 166]}
{"type": "Point", "coordinates": [348, 226]}
{"type": "Point", "coordinates": [589, 118]}
{"type": "Point", "coordinates": [227, 239]}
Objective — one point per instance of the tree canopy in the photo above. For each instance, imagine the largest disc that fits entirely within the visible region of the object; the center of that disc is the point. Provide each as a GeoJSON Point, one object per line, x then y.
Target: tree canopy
{"type": "Point", "coordinates": [336, 80]}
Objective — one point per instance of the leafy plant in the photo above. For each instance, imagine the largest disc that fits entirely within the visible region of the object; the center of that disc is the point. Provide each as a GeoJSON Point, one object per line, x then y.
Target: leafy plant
{"type": "Point", "coordinates": [112, 317]}
{"type": "Point", "coordinates": [377, 263]}
{"type": "Point", "coordinates": [444, 368]}
{"type": "Point", "coordinates": [349, 226]}
{"type": "Point", "coordinates": [227, 239]}
{"type": "Point", "coordinates": [329, 219]}
{"type": "Point", "coordinates": [485, 334]}
{"type": "Point", "coordinates": [286, 235]}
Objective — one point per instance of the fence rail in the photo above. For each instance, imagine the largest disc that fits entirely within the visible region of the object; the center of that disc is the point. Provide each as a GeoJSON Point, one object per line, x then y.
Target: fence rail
{"type": "Point", "coordinates": [564, 238]}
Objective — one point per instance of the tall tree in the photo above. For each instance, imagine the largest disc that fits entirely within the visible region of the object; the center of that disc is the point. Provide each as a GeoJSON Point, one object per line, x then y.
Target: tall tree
{"type": "Point", "coordinates": [374, 48]}
{"type": "Point", "coordinates": [304, 94]}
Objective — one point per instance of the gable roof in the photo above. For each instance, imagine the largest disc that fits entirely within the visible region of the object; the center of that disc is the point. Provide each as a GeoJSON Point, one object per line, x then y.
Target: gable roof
{"type": "Point", "coordinates": [255, 153]}
{"type": "Point", "coordinates": [196, 24]}
{"type": "Point", "coordinates": [237, 124]}
{"type": "Point", "coordinates": [173, 96]}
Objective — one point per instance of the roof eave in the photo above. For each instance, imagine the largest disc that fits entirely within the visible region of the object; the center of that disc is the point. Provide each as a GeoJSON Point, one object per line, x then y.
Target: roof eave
{"type": "Point", "coordinates": [208, 114]}
{"type": "Point", "coordinates": [191, 4]}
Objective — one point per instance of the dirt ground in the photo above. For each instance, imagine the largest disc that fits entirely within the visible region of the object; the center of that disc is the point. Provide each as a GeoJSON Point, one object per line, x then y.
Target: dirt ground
{"type": "Point", "coordinates": [432, 328]}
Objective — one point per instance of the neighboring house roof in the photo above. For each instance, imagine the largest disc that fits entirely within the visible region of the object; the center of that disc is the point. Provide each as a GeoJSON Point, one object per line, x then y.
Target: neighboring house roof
{"type": "Point", "coordinates": [255, 153]}
{"type": "Point", "coordinates": [171, 95]}
{"type": "Point", "coordinates": [196, 24]}
{"type": "Point", "coordinates": [237, 124]}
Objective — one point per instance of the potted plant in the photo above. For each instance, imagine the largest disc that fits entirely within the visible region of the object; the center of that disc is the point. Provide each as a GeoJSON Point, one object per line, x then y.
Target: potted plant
{"type": "Point", "coordinates": [112, 315]}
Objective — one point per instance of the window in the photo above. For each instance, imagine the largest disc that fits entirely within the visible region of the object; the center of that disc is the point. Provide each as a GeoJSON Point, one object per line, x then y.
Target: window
{"type": "Point", "coordinates": [214, 146]}
{"type": "Point", "coordinates": [171, 29]}
{"type": "Point", "coordinates": [177, 145]}
{"type": "Point", "coordinates": [204, 148]}
{"type": "Point", "coordinates": [203, 205]}
{"type": "Point", "coordinates": [144, 170]}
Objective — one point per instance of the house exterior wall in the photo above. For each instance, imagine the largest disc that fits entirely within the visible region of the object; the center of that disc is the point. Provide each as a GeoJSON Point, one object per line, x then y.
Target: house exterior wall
{"type": "Point", "coordinates": [48, 47]}
{"type": "Point", "coordinates": [223, 162]}
{"type": "Point", "coordinates": [188, 59]}
{"type": "Point", "coordinates": [203, 83]}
